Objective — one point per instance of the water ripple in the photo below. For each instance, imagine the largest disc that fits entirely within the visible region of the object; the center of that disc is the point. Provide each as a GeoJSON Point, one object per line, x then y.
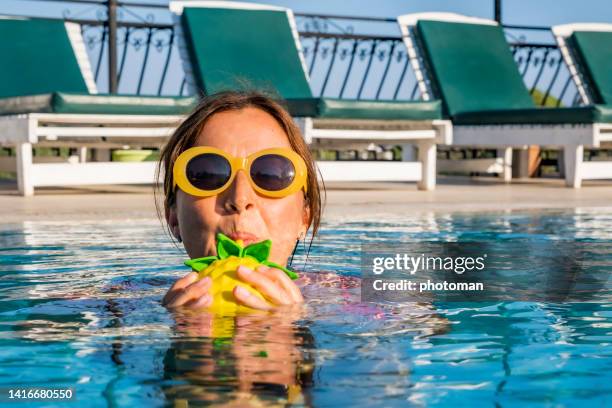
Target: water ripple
{"type": "Point", "coordinates": [80, 307]}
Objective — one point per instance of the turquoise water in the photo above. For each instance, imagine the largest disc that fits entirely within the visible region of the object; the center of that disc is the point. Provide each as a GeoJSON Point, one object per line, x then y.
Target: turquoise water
{"type": "Point", "coordinates": [79, 308]}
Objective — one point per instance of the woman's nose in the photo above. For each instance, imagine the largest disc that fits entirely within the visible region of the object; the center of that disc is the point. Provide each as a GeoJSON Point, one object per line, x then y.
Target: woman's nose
{"type": "Point", "coordinates": [240, 196]}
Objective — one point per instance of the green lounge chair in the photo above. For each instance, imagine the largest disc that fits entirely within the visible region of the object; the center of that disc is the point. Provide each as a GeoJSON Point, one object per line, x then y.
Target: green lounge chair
{"type": "Point", "coordinates": [48, 98]}
{"type": "Point", "coordinates": [224, 43]}
{"type": "Point", "coordinates": [587, 51]}
{"type": "Point", "coordinates": [467, 63]}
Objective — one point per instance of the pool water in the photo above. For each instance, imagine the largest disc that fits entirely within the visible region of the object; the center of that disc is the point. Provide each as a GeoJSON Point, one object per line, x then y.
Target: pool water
{"type": "Point", "coordinates": [80, 308]}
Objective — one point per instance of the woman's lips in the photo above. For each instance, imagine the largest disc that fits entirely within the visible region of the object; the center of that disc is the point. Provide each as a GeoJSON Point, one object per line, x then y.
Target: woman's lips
{"type": "Point", "coordinates": [246, 237]}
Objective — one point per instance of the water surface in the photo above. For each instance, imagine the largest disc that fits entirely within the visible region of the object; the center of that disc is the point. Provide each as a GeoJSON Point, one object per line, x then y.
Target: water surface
{"type": "Point", "coordinates": [80, 307]}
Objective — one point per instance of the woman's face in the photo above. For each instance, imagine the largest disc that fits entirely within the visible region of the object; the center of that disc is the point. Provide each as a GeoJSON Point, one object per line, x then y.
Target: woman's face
{"type": "Point", "coordinates": [239, 212]}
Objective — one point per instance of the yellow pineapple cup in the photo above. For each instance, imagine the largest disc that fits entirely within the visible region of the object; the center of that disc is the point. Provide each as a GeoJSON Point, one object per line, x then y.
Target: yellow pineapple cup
{"type": "Point", "coordinates": [222, 271]}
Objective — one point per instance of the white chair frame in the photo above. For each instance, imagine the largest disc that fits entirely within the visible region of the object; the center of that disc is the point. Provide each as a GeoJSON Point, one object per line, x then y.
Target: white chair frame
{"type": "Point", "coordinates": [351, 134]}
{"type": "Point", "coordinates": [572, 138]}
{"type": "Point", "coordinates": [100, 132]}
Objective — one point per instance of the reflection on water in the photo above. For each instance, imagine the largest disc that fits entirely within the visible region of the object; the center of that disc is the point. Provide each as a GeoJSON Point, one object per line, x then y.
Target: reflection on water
{"type": "Point", "coordinates": [240, 360]}
{"type": "Point", "coordinates": [79, 307]}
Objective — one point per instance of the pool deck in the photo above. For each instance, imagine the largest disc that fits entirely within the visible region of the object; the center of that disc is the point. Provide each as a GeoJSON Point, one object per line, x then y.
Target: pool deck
{"type": "Point", "coordinates": [453, 194]}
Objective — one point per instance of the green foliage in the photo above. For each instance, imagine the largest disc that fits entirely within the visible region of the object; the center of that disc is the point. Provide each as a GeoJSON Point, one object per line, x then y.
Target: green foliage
{"type": "Point", "coordinates": [538, 98]}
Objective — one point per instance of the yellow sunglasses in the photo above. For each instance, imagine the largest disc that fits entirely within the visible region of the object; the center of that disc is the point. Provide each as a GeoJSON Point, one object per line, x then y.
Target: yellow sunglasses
{"type": "Point", "coordinates": [204, 171]}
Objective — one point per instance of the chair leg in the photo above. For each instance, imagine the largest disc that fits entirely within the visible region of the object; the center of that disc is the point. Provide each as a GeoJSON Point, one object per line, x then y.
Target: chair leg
{"type": "Point", "coordinates": [427, 157]}
{"type": "Point", "coordinates": [506, 154]}
{"type": "Point", "coordinates": [572, 160]}
{"type": "Point", "coordinates": [82, 154]}
{"type": "Point", "coordinates": [24, 169]}
{"type": "Point", "coordinates": [520, 162]}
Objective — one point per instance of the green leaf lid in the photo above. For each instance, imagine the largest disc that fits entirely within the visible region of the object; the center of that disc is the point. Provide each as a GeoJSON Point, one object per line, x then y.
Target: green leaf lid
{"type": "Point", "coordinates": [226, 247]}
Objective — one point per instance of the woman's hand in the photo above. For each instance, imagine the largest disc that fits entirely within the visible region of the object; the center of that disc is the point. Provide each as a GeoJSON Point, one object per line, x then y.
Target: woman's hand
{"type": "Point", "coordinates": [272, 283]}
{"type": "Point", "coordinates": [187, 292]}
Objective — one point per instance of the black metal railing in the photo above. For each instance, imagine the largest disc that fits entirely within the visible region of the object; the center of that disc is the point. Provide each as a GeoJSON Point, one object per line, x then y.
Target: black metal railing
{"type": "Point", "coordinates": [147, 58]}
{"type": "Point", "coordinates": [358, 66]}
{"type": "Point", "coordinates": [346, 57]}
{"type": "Point", "coordinates": [371, 64]}
{"type": "Point", "coordinates": [546, 75]}
{"type": "Point", "coordinates": [542, 67]}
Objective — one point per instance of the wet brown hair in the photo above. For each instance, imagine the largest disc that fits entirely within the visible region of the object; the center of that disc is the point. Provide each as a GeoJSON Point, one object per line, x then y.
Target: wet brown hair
{"type": "Point", "coordinates": [185, 136]}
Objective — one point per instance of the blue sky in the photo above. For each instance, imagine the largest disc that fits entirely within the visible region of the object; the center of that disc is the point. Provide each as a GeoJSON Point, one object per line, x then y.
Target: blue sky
{"type": "Point", "coordinates": [528, 12]}
{"type": "Point", "coordinates": [515, 12]}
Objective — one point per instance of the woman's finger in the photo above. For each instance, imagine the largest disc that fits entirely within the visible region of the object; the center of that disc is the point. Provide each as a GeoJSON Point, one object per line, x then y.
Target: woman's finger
{"type": "Point", "coordinates": [193, 291]}
{"type": "Point", "coordinates": [201, 302]}
{"type": "Point", "coordinates": [285, 281]}
{"type": "Point", "coordinates": [179, 284]}
{"type": "Point", "coordinates": [246, 298]}
{"type": "Point", "coordinates": [270, 289]}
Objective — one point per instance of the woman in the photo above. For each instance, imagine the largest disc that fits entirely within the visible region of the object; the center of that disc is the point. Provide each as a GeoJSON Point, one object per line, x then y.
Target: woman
{"type": "Point", "coordinates": [265, 200]}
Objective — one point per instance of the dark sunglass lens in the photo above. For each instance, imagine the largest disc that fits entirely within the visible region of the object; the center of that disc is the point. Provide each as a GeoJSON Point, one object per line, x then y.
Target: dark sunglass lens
{"type": "Point", "coordinates": [272, 172]}
{"type": "Point", "coordinates": [208, 171]}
